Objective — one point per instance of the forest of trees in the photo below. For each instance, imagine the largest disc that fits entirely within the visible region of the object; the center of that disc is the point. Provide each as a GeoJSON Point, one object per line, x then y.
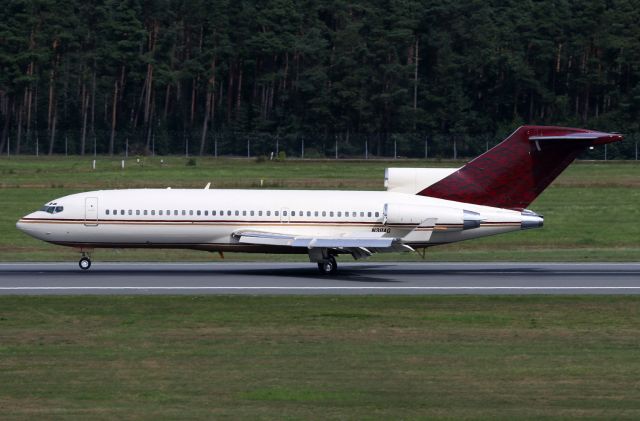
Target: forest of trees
{"type": "Point", "coordinates": [174, 75]}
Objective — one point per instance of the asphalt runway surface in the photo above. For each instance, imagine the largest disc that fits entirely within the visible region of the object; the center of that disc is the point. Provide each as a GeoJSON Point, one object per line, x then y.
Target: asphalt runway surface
{"type": "Point", "coordinates": [304, 278]}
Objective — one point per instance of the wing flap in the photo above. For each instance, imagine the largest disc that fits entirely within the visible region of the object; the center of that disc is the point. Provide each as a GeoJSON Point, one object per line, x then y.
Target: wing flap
{"type": "Point", "coordinates": [422, 233]}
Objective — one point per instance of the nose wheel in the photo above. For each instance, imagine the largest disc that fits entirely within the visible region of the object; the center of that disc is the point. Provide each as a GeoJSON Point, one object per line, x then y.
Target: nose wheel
{"type": "Point", "coordinates": [84, 263]}
{"type": "Point", "coordinates": [328, 267]}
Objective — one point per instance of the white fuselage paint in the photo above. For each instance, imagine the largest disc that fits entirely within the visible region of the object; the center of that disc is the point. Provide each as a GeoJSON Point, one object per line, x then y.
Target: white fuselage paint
{"type": "Point", "coordinates": [206, 219]}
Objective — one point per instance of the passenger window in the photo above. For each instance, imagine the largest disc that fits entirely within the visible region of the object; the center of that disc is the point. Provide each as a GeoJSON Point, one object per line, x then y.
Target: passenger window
{"type": "Point", "coordinates": [277, 213]}
{"type": "Point", "coordinates": [308, 213]}
{"type": "Point", "coordinates": [115, 211]}
{"type": "Point", "coordinates": [284, 213]}
{"type": "Point", "coordinates": [184, 212]}
{"type": "Point", "coordinates": [191, 212]}
{"type": "Point", "coordinates": [293, 213]}
{"type": "Point", "coordinates": [268, 213]}
{"type": "Point", "coordinates": [369, 214]}
{"type": "Point", "coordinates": [331, 213]}
{"type": "Point", "coordinates": [244, 213]}
{"type": "Point", "coordinates": [259, 213]}
{"type": "Point", "coordinates": [130, 212]}
{"type": "Point", "coordinates": [316, 213]}
{"type": "Point", "coordinates": [228, 213]}
{"type": "Point", "coordinates": [251, 213]}
{"type": "Point", "coordinates": [206, 213]}
{"type": "Point", "coordinates": [213, 213]}
{"type": "Point", "coordinates": [107, 211]}
{"type": "Point", "coordinates": [339, 213]}
{"type": "Point", "coordinates": [237, 213]}
{"type": "Point", "coordinates": [175, 212]}
{"type": "Point", "coordinates": [361, 214]}
{"type": "Point", "coordinates": [160, 212]}
{"type": "Point", "coordinates": [377, 214]}
{"type": "Point", "coordinates": [354, 214]}
{"type": "Point", "coordinates": [198, 213]}
{"type": "Point", "coordinates": [145, 212]}
{"type": "Point", "coordinates": [137, 211]}
{"type": "Point", "coordinates": [324, 213]}
{"type": "Point", "coordinates": [153, 211]}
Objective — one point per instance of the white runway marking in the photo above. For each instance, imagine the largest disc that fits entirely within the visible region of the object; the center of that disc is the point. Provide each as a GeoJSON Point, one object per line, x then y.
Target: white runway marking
{"type": "Point", "coordinates": [338, 288]}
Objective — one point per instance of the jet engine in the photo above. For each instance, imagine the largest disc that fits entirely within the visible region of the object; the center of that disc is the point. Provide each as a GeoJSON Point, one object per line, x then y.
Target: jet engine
{"type": "Point", "coordinates": [446, 218]}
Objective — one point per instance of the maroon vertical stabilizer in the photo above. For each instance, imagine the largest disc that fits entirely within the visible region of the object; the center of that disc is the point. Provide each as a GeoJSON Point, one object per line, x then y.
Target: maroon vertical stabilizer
{"type": "Point", "coordinates": [513, 173]}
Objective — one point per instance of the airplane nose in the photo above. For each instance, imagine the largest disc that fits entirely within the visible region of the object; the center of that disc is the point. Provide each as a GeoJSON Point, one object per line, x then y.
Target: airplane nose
{"type": "Point", "coordinates": [25, 227]}
{"type": "Point", "coordinates": [20, 225]}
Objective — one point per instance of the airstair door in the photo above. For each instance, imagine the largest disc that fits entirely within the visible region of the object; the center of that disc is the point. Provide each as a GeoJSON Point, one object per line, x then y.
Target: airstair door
{"type": "Point", "coordinates": [91, 211]}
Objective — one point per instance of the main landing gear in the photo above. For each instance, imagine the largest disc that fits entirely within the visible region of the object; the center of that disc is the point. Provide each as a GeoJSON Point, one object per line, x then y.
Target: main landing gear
{"type": "Point", "coordinates": [328, 266]}
{"type": "Point", "coordinates": [85, 262]}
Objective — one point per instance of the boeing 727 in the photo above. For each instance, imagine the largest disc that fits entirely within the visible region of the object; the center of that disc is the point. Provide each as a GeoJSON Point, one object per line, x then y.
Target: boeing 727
{"type": "Point", "coordinates": [420, 208]}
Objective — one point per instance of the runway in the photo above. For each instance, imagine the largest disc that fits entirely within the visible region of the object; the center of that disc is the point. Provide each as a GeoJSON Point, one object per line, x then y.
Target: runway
{"type": "Point", "coordinates": [304, 278]}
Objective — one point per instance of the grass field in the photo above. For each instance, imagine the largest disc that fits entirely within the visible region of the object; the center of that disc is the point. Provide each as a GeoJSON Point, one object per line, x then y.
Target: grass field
{"type": "Point", "coordinates": [319, 357]}
{"type": "Point", "coordinates": [591, 212]}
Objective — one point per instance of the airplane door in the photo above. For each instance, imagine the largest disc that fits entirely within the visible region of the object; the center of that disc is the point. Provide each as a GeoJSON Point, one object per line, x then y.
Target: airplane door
{"type": "Point", "coordinates": [285, 214]}
{"type": "Point", "coordinates": [91, 211]}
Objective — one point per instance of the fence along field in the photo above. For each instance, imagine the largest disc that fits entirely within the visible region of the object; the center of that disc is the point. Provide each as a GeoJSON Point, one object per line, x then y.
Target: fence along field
{"type": "Point", "coordinates": [302, 146]}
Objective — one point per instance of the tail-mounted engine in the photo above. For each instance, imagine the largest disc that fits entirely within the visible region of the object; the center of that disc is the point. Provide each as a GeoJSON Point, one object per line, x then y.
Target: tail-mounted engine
{"type": "Point", "coordinates": [410, 216]}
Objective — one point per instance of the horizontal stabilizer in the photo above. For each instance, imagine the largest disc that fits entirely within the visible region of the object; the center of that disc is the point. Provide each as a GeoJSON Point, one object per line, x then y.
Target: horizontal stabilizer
{"type": "Point", "coordinates": [595, 138]}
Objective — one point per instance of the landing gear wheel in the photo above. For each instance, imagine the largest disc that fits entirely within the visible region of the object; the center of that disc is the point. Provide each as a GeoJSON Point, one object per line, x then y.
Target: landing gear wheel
{"type": "Point", "coordinates": [84, 263]}
{"type": "Point", "coordinates": [328, 267]}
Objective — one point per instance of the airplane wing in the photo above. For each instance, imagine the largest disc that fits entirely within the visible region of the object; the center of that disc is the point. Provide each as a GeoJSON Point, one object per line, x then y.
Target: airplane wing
{"type": "Point", "coordinates": [358, 246]}
{"type": "Point", "coordinates": [278, 239]}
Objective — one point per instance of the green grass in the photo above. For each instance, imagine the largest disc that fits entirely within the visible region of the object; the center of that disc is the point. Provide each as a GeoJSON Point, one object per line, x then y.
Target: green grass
{"type": "Point", "coordinates": [319, 357]}
{"type": "Point", "coordinates": [591, 211]}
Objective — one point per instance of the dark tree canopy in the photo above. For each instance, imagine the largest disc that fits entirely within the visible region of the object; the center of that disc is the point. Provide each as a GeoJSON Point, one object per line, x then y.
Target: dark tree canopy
{"type": "Point", "coordinates": [168, 74]}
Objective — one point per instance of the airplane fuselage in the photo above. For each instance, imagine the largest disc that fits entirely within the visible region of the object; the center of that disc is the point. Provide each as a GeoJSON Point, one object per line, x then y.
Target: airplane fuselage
{"type": "Point", "coordinates": [207, 219]}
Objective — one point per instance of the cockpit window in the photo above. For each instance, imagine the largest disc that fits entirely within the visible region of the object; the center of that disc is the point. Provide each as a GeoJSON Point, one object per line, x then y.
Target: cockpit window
{"type": "Point", "coordinates": [52, 209]}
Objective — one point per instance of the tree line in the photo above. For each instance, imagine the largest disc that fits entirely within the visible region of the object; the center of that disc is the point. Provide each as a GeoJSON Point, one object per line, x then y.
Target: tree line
{"type": "Point", "coordinates": [162, 75]}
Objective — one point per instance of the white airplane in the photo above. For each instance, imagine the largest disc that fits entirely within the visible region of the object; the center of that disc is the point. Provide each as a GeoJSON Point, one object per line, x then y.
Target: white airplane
{"type": "Point", "coordinates": [422, 207]}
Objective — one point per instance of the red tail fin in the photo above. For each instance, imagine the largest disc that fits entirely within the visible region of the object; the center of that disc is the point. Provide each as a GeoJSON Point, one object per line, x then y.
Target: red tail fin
{"type": "Point", "coordinates": [512, 174]}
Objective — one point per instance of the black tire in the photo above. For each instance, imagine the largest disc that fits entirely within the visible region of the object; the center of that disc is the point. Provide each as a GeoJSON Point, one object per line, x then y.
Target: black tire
{"type": "Point", "coordinates": [334, 264]}
{"type": "Point", "coordinates": [328, 267]}
{"type": "Point", "coordinates": [84, 263]}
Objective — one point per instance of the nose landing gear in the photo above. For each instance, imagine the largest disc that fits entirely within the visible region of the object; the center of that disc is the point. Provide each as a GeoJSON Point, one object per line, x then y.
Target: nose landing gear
{"type": "Point", "coordinates": [85, 262]}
